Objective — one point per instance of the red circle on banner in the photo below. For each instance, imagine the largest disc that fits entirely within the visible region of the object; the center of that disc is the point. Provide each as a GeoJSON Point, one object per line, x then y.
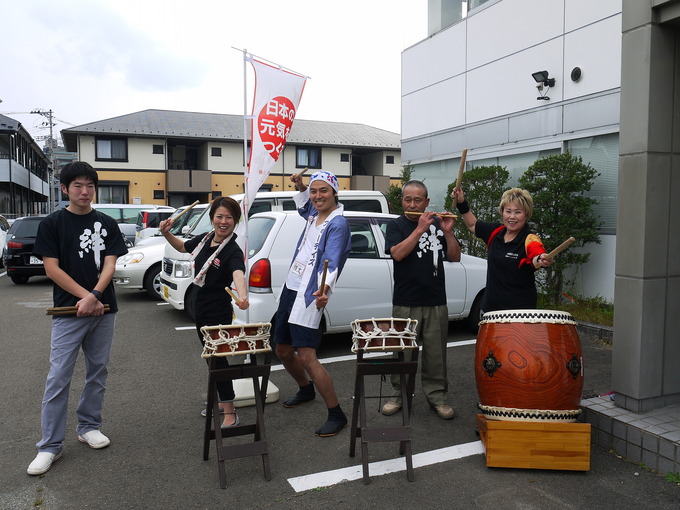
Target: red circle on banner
{"type": "Point", "coordinates": [274, 123]}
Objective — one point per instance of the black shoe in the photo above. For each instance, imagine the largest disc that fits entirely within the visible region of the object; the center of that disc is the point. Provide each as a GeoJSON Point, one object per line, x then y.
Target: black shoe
{"type": "Point", "coordinates": [304, 395]}
{"type": "Point", "coordinates": [331, 428]}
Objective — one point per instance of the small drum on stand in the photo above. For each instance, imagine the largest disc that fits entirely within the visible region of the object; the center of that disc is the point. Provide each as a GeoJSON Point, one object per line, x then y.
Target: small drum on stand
{"type": "Point", "coordinates": [529, 366]}
{"type": "Point", "coordinates": [236, 339]}
{"type": "Point", "coordinates": [391, 334]}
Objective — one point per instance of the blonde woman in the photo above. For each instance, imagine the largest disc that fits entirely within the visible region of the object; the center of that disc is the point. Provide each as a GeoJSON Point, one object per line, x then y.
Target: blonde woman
{"type": "Point", "coordinates": [514, 252]}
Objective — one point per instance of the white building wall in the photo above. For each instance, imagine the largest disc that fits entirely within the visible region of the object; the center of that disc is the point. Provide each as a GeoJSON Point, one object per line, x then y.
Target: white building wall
{"type": "Point", "coordinates": [484, 63]}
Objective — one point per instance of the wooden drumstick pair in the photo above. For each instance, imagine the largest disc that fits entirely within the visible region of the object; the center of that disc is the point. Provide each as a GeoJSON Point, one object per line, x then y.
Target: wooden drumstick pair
{"type": "Point", "coordinates": [68, 310]}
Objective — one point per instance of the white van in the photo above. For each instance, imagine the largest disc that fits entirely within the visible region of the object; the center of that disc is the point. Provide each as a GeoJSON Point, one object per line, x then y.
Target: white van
{"type": "Point", "coordinates": [177, 273]}
{"type": "Point", "coordinates": [126, 216]}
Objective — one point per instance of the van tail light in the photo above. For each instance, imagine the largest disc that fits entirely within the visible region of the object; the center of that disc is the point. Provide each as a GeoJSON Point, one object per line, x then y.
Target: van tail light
{"type": "Point", "coordinates": [14, 245]}
{"type": "Point", "coordinates": [261, 274]}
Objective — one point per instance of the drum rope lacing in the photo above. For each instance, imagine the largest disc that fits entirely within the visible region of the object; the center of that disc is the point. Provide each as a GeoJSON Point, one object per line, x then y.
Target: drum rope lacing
{"type": "Point", "coordinates": [529, 316]}
{"type": "Point", "coordinates": [252, 339]}
{"type": "Point", "coordinates": [561, 415]}
{"type": "Point", "coordinates": [406, 337]}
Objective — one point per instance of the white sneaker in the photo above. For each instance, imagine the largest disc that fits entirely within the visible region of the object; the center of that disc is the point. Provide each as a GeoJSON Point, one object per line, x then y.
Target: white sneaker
{"type": "Point", "coordinates": [94, 439]}
{"type": "Point", "coordinates": [42, 463]}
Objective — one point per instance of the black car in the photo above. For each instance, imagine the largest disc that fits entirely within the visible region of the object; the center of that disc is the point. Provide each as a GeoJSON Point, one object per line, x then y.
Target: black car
{"type": "Point", "coordinates": [18, 258]}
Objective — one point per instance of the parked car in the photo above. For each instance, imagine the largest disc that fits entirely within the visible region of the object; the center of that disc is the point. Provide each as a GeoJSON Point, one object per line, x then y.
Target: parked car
{"type": "Point", "coordinates": [18, 257]}
{"type": "Point", "coordinates": [178, 270]}
{"type": "Point", "coordinates": [126, 216]}
{"type": "Point", "coordinates": [4, 227]}
{"type": "Point", "coordinates": [147, 222]}
{"type": "Point", "coordinates": [364, 289]}
{"type": "Point", "coordinates": [140, 268]}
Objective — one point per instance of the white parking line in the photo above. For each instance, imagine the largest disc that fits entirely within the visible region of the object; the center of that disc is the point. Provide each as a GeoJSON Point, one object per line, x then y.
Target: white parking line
{"type": "Point", "coordinates": [326, 478]}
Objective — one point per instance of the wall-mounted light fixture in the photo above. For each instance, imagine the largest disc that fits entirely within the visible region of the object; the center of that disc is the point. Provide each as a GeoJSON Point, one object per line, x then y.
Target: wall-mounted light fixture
{"type": "Point", "coordinates": [543, 81]}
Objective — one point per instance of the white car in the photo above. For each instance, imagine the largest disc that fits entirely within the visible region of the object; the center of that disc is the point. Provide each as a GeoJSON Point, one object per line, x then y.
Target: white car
{"type": "Point", "coordinates": [364, 289]}
{"type": "Point", "coordinates": [178, 272]}
{"type": "Point", "coordinates": [140, 268]}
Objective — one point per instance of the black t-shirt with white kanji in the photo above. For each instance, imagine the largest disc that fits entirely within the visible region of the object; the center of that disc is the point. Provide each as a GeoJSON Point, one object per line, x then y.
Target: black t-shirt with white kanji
{"type": "Point", "coordinates": [419, 278]}
{"type": "Point", "coordinates": [81, 242]}
{"type": "Point", "coordinates": [212, 304]}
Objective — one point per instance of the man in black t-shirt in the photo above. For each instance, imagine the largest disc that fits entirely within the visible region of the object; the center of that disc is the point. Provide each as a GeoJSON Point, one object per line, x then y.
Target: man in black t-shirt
{"type": "Point", "coordinates": [79, 247]}
{"type": "Point", "coordinates": [417, 242]}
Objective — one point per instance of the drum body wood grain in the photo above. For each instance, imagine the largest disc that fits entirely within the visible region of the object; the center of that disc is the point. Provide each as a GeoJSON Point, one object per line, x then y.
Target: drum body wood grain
{"type": "Point", "coordinates": [529, 366]}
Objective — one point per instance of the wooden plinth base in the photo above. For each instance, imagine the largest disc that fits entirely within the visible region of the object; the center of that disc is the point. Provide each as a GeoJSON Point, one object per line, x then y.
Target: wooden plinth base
{"type": "Point", "coordinates": [535, 445]}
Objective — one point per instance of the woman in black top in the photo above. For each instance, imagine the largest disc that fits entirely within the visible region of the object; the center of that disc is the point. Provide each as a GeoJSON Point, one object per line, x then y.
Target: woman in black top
{"type": "Point", "coordinates": [514, 252]}
{"type": "Point", "coordinates": [218, 262]}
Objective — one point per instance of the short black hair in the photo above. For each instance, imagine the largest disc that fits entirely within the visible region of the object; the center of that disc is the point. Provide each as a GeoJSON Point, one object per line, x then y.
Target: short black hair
{"type": "Point", "coordinates": [76, 169]}
{"type": "Point", "coordinates": [227, 202]}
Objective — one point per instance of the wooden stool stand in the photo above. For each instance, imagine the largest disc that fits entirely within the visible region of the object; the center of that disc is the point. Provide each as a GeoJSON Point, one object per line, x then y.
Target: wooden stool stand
{"type": "Point", "coordinates": [259, 445]}
{"type": "Point", "coordinates": [535, 444]}
{"type": "Point", "coordinates": [406, 371]}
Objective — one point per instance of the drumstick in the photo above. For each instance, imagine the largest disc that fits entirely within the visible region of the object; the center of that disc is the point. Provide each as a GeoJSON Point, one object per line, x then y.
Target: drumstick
{"type": "Point", "coordinates": [560, 248]}
{"type": "Point", "coordinates": [461, 169]}
{"type": "Point", "coordinates": [68, 310]}
{"type": "Point", "coordinates": [300, 174]}
{"type": "Point", "coordinates": [322, 287]}
{"type": "Point", "coordinates": [440, 214]}
{"type": "Point", "coordinates": [185, 211]}
{"type": "Point", "coordinates": [231, 293]}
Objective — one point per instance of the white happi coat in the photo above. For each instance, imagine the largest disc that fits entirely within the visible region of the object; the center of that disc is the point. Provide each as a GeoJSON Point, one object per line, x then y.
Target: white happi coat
{"type": "Point", "coordinates": [333, 243]}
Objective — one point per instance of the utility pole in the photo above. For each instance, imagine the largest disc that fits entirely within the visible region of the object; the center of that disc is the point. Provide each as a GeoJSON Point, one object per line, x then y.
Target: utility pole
{"type": "Point", "coordinates": [50, 171]}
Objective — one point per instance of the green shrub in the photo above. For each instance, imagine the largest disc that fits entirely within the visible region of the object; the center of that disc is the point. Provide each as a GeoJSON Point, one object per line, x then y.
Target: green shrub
{"type": "Point", "coordinates": [483, 187]}
{"type": "Point", "coordinates": [558, 185]}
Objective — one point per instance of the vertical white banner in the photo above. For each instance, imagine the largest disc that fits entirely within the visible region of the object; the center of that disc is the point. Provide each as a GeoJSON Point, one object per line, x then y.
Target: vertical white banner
{"type": "Point", "coordinates": [275, 103]}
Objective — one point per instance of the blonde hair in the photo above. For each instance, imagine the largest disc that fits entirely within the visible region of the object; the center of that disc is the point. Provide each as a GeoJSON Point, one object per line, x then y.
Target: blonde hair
{"type": "Point", "coordinates": [519, 196]}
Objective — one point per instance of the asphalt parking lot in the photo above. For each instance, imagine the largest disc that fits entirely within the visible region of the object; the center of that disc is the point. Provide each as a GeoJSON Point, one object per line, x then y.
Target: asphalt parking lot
{"type": "Point", "coordinates": [156, 391]}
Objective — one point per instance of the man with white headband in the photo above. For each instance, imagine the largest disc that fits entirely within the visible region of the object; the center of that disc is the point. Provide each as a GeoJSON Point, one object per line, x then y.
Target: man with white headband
{"type": "Point", "coordinates": [326, 237]}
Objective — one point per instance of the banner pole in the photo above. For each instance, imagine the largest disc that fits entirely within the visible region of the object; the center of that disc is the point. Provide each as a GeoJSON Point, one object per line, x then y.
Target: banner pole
{"type": "Point", "coordinates": [244, 204]}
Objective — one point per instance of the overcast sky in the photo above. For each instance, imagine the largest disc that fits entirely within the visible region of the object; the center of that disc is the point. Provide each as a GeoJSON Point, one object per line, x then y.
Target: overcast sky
{"type": "Point", "coordinates": [90, 60]}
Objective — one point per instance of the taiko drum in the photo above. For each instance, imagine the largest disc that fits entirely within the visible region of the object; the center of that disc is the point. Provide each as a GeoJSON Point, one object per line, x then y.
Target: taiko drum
{"type": "Point", "coordinates": [387, 334]}
{"type": "Point", "coordinates": [529, 366]}
{"type": "Point", "coordinates": [235, 339]}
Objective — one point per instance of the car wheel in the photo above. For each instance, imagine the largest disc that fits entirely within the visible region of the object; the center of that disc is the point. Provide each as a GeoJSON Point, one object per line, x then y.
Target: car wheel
{"type": "Point", "coordinates": [152, 282]}
{"type": "Point", "coordinates": [19, 280]}
{"type": "Point", "coordinates": [189, 302]}
{"type": "Point", "coordinates": [475, 314]}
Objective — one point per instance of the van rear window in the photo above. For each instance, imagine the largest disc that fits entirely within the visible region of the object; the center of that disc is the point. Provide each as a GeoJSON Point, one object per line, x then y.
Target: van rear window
{"type": "Point", "coordinates": [364, 205]}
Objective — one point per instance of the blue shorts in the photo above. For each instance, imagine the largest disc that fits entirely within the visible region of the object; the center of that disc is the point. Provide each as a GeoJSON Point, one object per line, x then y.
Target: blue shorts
{"type": "Point", "coordinates": [293, 334]}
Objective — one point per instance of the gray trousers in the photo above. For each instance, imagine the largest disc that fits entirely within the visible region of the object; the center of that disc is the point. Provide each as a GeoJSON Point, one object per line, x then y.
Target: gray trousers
{"type": "Point", "coordinates": [69, 334]}
{"type": "Point", "coordinates": [432, 334]}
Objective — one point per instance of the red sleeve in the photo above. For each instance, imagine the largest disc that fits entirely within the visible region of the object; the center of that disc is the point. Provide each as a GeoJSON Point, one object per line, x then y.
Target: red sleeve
{"type": "Point", "coordinates": [533, 247]}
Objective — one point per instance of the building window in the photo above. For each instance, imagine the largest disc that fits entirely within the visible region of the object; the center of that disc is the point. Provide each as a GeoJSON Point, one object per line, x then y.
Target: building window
{"type": "Point", "coordinates": [216, 151]}
{"type": "Point", "coordinates": [602, 152]}
{"type": "Point", "coordinates": [308, 157]}
{"type": "Point", "coordinates": [216, 194]}
{"type": "Point", "coordinates": [111, 149]}
{"type": "Point", "coordinates": [344, 157]}
{"type": "Point", "coordinates": [389, 160]}
{"type": "Point", "coordinates": [111, 193]}
{"type": "Point", "coordinates": [157, 149]}
{"type": "Point", "coordinates": [158, 194]}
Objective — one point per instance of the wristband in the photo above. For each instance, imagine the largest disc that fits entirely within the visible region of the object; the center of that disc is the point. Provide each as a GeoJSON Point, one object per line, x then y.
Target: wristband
{"type": "Point", "coordinates": [463, 207]}
{"type": "Point", "coordinates": [97, 294]}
